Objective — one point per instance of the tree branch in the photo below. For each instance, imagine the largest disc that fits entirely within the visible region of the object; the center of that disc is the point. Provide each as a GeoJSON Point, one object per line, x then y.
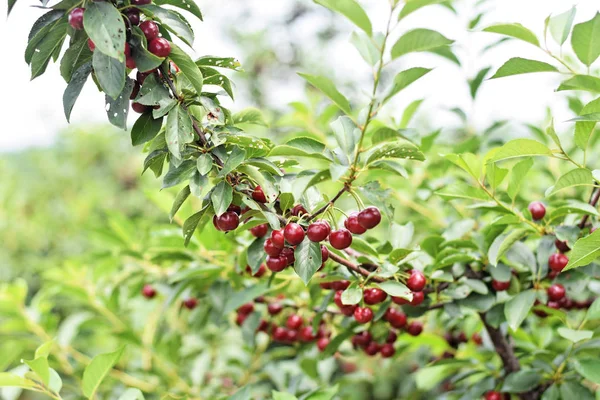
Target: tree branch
{"type": "Point", "coordinates": [354, 267]}
{"type": "Point", "coordinates": [593, 201]}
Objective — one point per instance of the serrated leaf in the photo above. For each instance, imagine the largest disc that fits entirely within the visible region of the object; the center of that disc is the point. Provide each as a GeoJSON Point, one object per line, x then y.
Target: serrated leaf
{"type": "Point", "coordinates": [97, 370]}
{"type": "Point", "coordinates": [326, 86]}
{"type": "Point", "coordinates": [104, 25]}
{"type": "Point", "coordinates": [515, 30]}
{"type": "Point", "coordinates": [179, 130]}
{"type": "Point", "coordinates": [419, 40]}
{"type": "Point", "coordinates": [179, 174]}
{"type": "Point", "coordinates": [118, 109]}
{"type": "Point", "coordinates": [351, 10]}
{"type": "Point", "coordinates": [521, 381]}
{"type": "Point", "coordinates": [179, 200]}
{"type": "Point", "coordinates": [308, 259]}
{"type": "Point", "coordinates": [250, 116]}
{"type": "Point", "coordinates": [204, 164]}
{"type": "Point", "coordinates": [43, 50]}
{"type": "Point", "coordinates": [518, 65]}
{"type": "Point", "coordinates": [573, 178]}
{"type": "Point", "coordinates": [503, 242]}
{"type": "Point", "coordinates": [581, 82]}
{"type": "Point", "coordinates": [190, 224]}
{"type": "Point", "coordinates": [521, 148]}
{"type": "Point", "coordinates": [585, 250]}
{"type": "Point", "coordinates": [517, 308]}
{"type": "Point", "coordinates": [585, 40]}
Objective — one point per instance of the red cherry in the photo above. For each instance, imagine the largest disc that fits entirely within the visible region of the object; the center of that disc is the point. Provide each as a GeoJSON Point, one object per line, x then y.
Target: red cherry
{"type": "Point", "coordinates": [493, 395]}
{"type": "Point", "coordinates": [500, 286]}
{"type": "Point", "coordinates": [372, 348]}
{"type": "Point", "coordinates": [396, 318]}
{"type": "Point", "coordinates": [369, 217]}
{"type": "Point", "coordinates": [298, 210]}
{"type": "Point", "coordinates": [150, 30]}
{"type": "Point", "coordinates": [340, 239]}
{"type": "Point", "coordinates": [337, 298]}
{"type": "Point", "coordinates": [228, 221]}
{"type": "Point", "coordinates": [278, 239]}
{"type": "Point", "coordinates": [400, 301]}
{"type": "Point", "coordinates": [127, 50]}
{"type": "Point", "coordinates": [130, 62]}
{"type": "Point", "coordinates": [362, 315]}
{"type": "Point", "coordinates": [240, 319]}
{"type": "Point", "coordinates": [288, 253]}
{"type": "Point", "coordinates": [148, 291]}
{"type": "Point", "coordinates": [140, 2]}
{"type": "Point", "coordinates": [348, 310]}
{"type": "Point", "coordinates": [387, 350]}
{"type": "Point", "coordinates": [259, 230]}
{"type": "Point", "coordinates": [417, 281]}
{"type": "Point", "coordinates": [374, 296]}
{"type": "Point", "coordinates": [277, 264]}
{"type": "Point", "coordinates": [291, 335]}
{"type": "Point", "coordinates": [562, 246]}
{"type": "Point", "coordinates": [556, 292]}
{"type": "Point", "coordinates": [141, 76]}
{"type": "Point", "coordinates": [294, 322]}
{"type": "Point", "coordinates": [476, 337]}
{"type": "Point", "coordinates": [418, 298]}
{"type": "Point", "coordinates": [261, 271]}
{"type": "Point", "coordinates": [557, 262]}
{"type": "Point", "coordinates": [76, 18]}
{"type": "Point", "coordinates": [280, 334]}
{"type": "Point", "coordinates": [553, 304]}
{"type": "Point", "coordinates": [235, 208]}
{"type": "Point", "coordinates": [247, 308]}
{"type": "Point", "coordinates": [133, 15]}
{"type": "Point", "coordinates": [139, 108]}
{"type": "Point", "coordinates": [324, 253]}
{"type": "Point", "coordinates": [415, 328]}
{"type": "Point", "coordinates": [160, 47]}
{"type": "Point", "coordinates": [322, 343]}
{"type": "Point", "coordinates": [340, 285]}
{"type": "Point", "coordinates": [362, 339]}
{"type": "Point", "coordinates": [318, 231]}
{"type": "Point", "coordinates": [391, 337]}
{"type": "Point", "coordinates": [91, 45]}
{"type": "Point", "coordinates": [537, 210]}
{"type": "Point", "coordinates": [351, 223]}
{"type": "Point", "coordinates": [263, 326]}
{"type": "Point", "coordinates": [274, 308]}
{"type": "Point", "coordinates": [258, 195]}
{"type": "Point", "coordinates": [306, 334]}
{"type": "Point", "coordinates": [293, 233]}
{"type": "Point", "coordinates": [270, 248]}
{"type": "Point", "coordinates": [190, 303]}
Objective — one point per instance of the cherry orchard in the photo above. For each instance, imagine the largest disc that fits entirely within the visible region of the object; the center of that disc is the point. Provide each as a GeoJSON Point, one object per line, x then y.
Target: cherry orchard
{"type": "Point", "coordinates": [333, 225]}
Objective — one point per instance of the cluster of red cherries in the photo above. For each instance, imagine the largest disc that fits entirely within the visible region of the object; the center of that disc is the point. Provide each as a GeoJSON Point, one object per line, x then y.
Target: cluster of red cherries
{"type": "Point", "coordinates": [157, 45]}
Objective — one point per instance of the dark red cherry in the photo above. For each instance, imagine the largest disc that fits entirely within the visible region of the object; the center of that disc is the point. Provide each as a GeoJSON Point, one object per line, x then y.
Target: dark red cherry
{"type": "Point", "coordinates": [537, 210]}
{"type": "Point", "coordinates": [76, 18]}
{"type": "Point", "coordinates": [417, 281]}
{"type": "Point", "coordinates": [351, 223]}
{"type": "Point", "coordinates": [369, 217]}
{"type": "Point", "coordinates": [340, 239]}
{"type": "Point", "coordinates": [318, 231]}
{"type": "Point", "coordinates": [293, 233]}
{"type": "Point", "coordinates": [374, 296]}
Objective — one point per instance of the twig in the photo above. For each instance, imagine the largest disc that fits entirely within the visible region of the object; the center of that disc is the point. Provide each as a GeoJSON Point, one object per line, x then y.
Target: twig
{"type": "Point", "coordinates": [328, 204]}
{"type": "Point", "coordinates": [354, 267]}
{"type": "Point", "coordinates": [593, 201]}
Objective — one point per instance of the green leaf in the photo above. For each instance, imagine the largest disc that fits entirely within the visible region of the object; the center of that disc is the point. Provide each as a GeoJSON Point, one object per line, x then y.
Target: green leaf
{"type": "Point", "coordinates": [221, 62]}
{"type": "Point", "coordinates": [413, 5]}
{"type": "Point", "coordinates": [476, 82]}
{"type": "Point", "coordinates": [408, 113]}
{"type": "Point", "coordinates": [118, 109]}
{"type": "Point", "coordinates": [76, 55]}
{"type": "Point", "coordinates": [144, 60]}
{"type": "Point", "coordinates": [560, 25]}
{"type": "Point", "coordinates": [263, 179]}
{"type": "Point", "coordinates": [352, 295]}
{"type": "Point", "coordinates": [581, 82]}
{"type": "Point", "coordinates": [594, 311]}
{"type": "Point", "coordinates": [214, 77]}
{"type": "Point", "coordinates": [419, 40]}
{"type": "Point", "coordinates": [396, 289]}
{"type": "Point", "coordinates": [521, 148]}
{"type": "Point", "coordinates": [574, 335]}
{"type": "Point", "coordinates": [245, 296]}
{"type": "Point", "coordinates": [575, 390]}
{"type": "Point", "coordinates": [221, 197]}
{"type": "Point", "coordinates": [515, 30]}
{"type": "Point", "coordinates": [145, 129]}
{"type": "Point", "coordinates": [186, 5]}
{"type": "Point", "coordinates": [461, 190]}
{"type": "Point", "coordinates": [585, 40]}
{"type": "Point", "coordinates": [589, 368]}
{"type": "Point", "coordinates": [179, 130]}
{"type": "Point", "coordinates": [41, 368]}
{"type": "Point", "coordinates": [44, 349]}
{"type": "Point", "coordinates": [179, 200]}
{"type": "Point", "coordinates": [302, 147]}
{"type": "Point", "coordinates": [179, 174]}
{"type": "Point", "coordinates": [351, 10]}
{"type": "Point", "coordinates": [47, 45]}
{"type": "Point", "coordinates": [517, 176]}
{"type": "Point", "coordinates": [517, 308]}
{"type": "Point", "coordinates": [495, 175]}
{"type": "Point", "coordinates": [190, 224]}
{"type": "Point", "coordinates": [132, 393]}
{"type": "Point", "coordinates": [256, 254]}
{"type": "Point", "coordinates": [573, 178]}
{"type": "Point", "coordinates": [152, 92]}
{"type": "Point", "coordinates": [326, 86]}
{"type": "Point", "coordinates": [308, 259]}
{"type": "Point", "coordinates": [282, 396]}
{"type": "Point", "coordinates": [366, 48]}
{"type": "Point", "coordinates": [187, 65]}
{"type": "Point", "coordinates": [170, 20]}
{"type": "Point", "coordinates": [585, 250]}
{"type": "Point", "coordinates": [584, 128]}
{"type": "Point", "coordinates": [97, 370]}
{"type": "Point", "coordinates": [346, 134]}
{"type": "Point", "coordinates": [250, 115]}
{"type": "Point", "coordinates": [504, 242]}
{"type": "Point", "coordinates": [518, 65]}
{"type": "Point", "coordinates": [521, 381]}
{"type": "Point", "coordinates": [233, 161]}
{"type": "Point", "coordinates": [74, 88]}
{"type": "Point", "coordinates": [398, 149]}
{"type": "Point", "coordinates": [109, 72]}
{"type": "Point", "coordinates": [11, 380]}
{"type": "Point", "coordinates": [404, 79]}
{"type": "Point", "coordinates": [204, 164]}
{"type": "Point", "coordinates": [335, 343]}
{"type": "Point", "coordinates": [105, 26]}
{"type": "Point", "coordinates": [41, 28]}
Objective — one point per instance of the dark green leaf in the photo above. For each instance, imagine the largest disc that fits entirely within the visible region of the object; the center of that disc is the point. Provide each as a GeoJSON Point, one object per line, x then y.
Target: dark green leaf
{"type": "Point", "coordinates": [521, 381]}
{"type": "Point", "coordinates": [187, 66]}
{"type": "Point", "coordinates": [172, 21]}
{"type": "Point", "coordinates": [110, 73]}
{"type": "Point", "coordinates": [517, 308]}
{"type": "Point", "coordinates": [221, 197]}
{"type": "Point", "coordinates": [118, 108]}
{"type": "Point", "coordinates": [256, 254]}
{"type": "Point", "coordinates": [190, 224]}
{"type": "Point", "coordinates": [214, 77]}
{"type": "Point", "coordinates": [186, 5]}
{"type": "Point", "coordinates": [74, 88]}
{"type": "Point", "coordinates": [145, 129]}
{"type": "Point", "coordinates": [76, 55]}
{"type": "Point", "coordinates": [144, 60]}
{"type": "Point", "coordinates": [475, 83]}
{"type": "Point", "coordinates": [179, 130]}
{"type": "Point", "coordinates": [105, 26]}
{"type": "Point", "coordinates": [308, 259]}
{"type": "Point", "coordinates": [179, 174]}
{"type": "Point", "coordinates": [179, 200]}
{"type": "Point", "coordinates": [46, 47]}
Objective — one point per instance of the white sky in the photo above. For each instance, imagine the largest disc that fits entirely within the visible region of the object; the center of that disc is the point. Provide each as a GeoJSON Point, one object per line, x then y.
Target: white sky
{"type": "Point", "coordinates": [32, 112]}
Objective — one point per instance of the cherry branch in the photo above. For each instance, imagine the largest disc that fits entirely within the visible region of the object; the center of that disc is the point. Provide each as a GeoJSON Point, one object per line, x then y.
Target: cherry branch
{"type": "Point", "coordinates": [595, 196]}
{"type": "Point", "coordinates": [329, 203]}
{"type": "Point", "coordinates": [354, 267]}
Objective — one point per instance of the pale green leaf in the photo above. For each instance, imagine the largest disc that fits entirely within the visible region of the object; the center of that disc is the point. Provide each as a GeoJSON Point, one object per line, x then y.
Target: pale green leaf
{"type": "Point", "coordinates": [518, 65]}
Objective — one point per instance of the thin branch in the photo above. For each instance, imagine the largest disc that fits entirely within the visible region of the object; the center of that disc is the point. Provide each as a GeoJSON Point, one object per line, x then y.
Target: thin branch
{"type": "Point", "coordinates": [328, 204]}
{"type": "Point", "coordinates": [354, 267]}
{"type": "Point", "coordinates": [593, 201]}
{"type": "Point", "coordinates": [503, 348]}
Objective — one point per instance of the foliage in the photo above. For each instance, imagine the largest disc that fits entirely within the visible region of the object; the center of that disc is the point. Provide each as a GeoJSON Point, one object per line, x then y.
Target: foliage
{"type": "Point", "coordinates": [461, 248]}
